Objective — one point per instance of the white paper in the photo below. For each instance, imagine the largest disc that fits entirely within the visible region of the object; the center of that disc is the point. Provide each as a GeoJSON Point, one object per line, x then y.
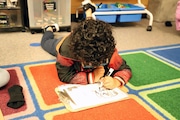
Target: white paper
{"type": "Point", "coordinates": [86, 96]}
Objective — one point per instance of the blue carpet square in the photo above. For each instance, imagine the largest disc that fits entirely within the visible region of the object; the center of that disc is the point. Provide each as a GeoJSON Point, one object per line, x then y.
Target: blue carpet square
{"type": "Point", "coordinates": [171, 54]}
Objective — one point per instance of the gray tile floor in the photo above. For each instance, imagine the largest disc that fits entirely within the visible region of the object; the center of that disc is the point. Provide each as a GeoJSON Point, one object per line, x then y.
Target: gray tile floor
{"type": "Point", "coordinates": [15, 47]}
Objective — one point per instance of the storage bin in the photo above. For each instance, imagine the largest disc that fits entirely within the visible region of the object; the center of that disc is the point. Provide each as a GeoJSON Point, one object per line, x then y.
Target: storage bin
{"type": "Point", "coordinates": [44, 12]}
{"type": "Point", "coordinates": [130, 17]}
{"type": "Point", "coordinates": [106, 8]}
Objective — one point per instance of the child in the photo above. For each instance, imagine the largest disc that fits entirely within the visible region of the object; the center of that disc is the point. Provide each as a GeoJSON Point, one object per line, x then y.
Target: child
{"type": "Point", "coordinates": [87, 53]}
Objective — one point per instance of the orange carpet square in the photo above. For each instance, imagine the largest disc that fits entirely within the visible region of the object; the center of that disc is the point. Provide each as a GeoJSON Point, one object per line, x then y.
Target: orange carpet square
{"type": "Point", "coordinates": [124, 110]}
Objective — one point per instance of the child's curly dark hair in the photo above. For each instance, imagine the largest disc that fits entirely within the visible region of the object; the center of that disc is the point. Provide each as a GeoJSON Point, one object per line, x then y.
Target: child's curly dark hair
{"type": "Point", "coordinates": [92, 42]}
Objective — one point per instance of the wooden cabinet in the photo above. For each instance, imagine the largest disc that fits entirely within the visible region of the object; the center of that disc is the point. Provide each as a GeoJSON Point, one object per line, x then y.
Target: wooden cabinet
{"type": "Point", "coordinates": [11, 17]}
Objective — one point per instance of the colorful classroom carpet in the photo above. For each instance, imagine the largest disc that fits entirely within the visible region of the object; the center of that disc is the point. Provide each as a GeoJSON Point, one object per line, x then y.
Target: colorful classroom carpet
{"type": "Point", "coordinates": [154, 90]}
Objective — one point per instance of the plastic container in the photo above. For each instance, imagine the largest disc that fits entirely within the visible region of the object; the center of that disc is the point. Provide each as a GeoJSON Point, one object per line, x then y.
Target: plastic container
{"type": "Point", "coordinates": [112, 18]}
{"type": "Point", "coordinates": [44, 12]}
{"type": "Point", "coordinates": [129, 17]}
{"type": "Point", "coordinates": [106, 8]}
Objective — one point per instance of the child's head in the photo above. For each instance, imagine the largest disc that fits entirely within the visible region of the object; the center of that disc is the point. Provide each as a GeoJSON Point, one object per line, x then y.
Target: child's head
{"type": "Point", "coordinates": [92, 42]}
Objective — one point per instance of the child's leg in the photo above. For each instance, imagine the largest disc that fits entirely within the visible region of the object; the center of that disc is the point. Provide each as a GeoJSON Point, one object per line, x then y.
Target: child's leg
{"type": "Point", "coordinates": [89, 9]}
{"type": "Point", "coordinates": [48, 43]}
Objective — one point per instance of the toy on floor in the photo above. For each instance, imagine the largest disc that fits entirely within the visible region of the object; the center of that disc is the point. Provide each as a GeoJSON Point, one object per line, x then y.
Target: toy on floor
{"type": "Point", "coordinates": [4, 77]}
{"type": "Point", "coordinates": [16, 95]}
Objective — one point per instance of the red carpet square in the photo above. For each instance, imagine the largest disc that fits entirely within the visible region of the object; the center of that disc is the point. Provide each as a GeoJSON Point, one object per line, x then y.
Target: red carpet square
{"type": "Point", "coordinates": [16, 78]}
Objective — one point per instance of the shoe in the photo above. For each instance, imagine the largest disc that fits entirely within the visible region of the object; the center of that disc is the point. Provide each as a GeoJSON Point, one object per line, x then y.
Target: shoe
{"type": "Point", "coordinates": [89, 5]}
{"type": "Point", "coordinates": [55, 27]}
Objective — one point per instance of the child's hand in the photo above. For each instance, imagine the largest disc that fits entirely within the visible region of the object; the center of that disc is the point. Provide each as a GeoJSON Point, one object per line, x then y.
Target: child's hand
{"type": "Point", "coordinates": [98, 73]}
{"type": "Point", "coordinates": [110, 83]}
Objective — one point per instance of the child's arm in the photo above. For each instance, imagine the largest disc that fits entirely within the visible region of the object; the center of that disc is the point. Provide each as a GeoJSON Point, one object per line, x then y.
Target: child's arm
{"type": "Point", "coordinates": [122, 72]}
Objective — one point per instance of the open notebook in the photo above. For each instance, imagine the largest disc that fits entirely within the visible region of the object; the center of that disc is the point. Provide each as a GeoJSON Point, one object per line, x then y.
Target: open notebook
{"type": "Point", "coordinates": [77, 97]}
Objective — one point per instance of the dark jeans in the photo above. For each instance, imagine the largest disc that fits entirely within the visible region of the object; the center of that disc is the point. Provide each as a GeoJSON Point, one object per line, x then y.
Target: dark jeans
{"type": "Point", "coordinates": [48, 43]}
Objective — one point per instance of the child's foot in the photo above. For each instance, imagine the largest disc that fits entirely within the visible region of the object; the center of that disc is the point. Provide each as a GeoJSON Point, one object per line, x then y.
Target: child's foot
{"type": "Point", "coordinates": [52, 27]}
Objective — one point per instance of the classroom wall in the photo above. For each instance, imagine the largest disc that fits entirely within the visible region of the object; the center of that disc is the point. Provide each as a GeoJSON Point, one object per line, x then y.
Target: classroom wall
{"type": "Point", "coordinates": [77, 3]}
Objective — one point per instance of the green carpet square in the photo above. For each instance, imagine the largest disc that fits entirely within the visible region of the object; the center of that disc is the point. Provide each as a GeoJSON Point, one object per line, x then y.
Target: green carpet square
{"type": "Point", "coordinates": [168, 100]}
{"type": "Point", "coordinates": [148, 70]}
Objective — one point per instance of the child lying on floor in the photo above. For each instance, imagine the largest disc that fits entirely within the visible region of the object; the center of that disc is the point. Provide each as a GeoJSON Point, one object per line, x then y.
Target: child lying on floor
{"type": "Point", "coordinates": [87, 53]}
